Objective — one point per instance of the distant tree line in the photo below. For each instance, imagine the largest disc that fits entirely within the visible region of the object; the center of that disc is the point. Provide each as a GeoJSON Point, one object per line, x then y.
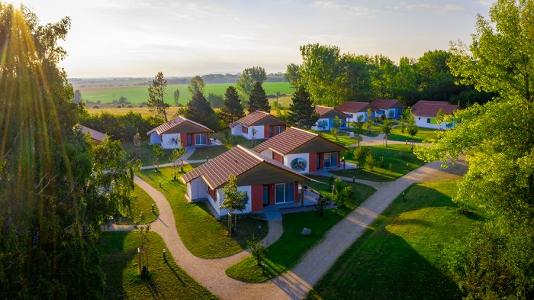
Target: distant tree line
{"type": "Point", "coordinates": [332, 77]}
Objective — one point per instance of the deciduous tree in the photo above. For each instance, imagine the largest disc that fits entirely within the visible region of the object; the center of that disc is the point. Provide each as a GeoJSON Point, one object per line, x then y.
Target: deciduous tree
{"type": "Point", "coordinates": [234, 200]}
{"type": "Point", "coordinates": [248, 79]}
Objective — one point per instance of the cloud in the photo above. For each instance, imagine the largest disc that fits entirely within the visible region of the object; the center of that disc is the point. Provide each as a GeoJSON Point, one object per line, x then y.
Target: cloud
{"type": "Point", "coordinates": [353, 9]}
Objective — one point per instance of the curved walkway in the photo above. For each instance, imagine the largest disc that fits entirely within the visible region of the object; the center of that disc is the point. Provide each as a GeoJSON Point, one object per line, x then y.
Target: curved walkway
{"type": "Point", "coordinates": [294, 284]}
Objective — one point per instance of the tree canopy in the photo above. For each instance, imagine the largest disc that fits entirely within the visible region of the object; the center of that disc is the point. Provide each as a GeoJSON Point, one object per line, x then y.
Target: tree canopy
{"type": "Point", "coordinates": [258, 99]}
{"type": "Point", "coordinates": [156, 95]}
{"type": "Point", "coordinates": [497, 141]}
{"type": "Point", "coordinates": [302, 110]}
{"type": "Point", "coordinates": [232, 107]}
{"type": "Point", "coordinates": [249, 77]}
{"type": "Point", "coordinates": [199, 110]}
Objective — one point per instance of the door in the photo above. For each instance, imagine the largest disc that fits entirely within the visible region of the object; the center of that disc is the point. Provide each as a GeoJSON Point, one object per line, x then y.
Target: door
{"type": "Point", "coordinates": [189, 139]}
{"type": "Point", "coordinates": [266, 194]}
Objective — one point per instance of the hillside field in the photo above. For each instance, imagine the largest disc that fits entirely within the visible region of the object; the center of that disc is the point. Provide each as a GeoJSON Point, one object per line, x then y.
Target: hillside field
{"type": "Point", "coordinates": [139, 94]}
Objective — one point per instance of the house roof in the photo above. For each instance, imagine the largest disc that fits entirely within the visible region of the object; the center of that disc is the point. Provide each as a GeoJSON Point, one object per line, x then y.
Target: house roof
{"type": "Point", "coordinates": [328, 112]}
{"type": "Point", "coordinates": [385, 104]}
{"type": "Point", "coordinates": [353, 106]}
{"type": "Point", "coordinates": [237, 161]}
{"type": "Point", "coordinates": [295, 140]}
{"type": "Point", "coordinates": [94, 134]}
{"type": "Point", "coordinates": [179, 124]}
{"type": "Point", "coordinates": [426, 108]}
{"type": "Point", "coordinates": [258, 118]}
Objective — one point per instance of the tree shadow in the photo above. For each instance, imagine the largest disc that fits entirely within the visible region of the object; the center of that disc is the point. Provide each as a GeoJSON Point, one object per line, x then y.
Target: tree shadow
{"type": "Point", "coordinates": [174, 272]}
{"type": "Point", "coordinates": [385, 266]}
{"type": "Point", "coordinates": [115, 258]}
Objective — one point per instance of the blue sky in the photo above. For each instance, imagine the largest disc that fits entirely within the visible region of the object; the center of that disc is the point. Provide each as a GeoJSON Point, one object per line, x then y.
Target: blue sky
{"type": "Point", "coordinates": [181, 38]}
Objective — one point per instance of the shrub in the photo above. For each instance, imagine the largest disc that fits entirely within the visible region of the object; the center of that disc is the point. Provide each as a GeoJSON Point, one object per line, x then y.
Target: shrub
{"type": "Point", "coordinates": [370, 161]}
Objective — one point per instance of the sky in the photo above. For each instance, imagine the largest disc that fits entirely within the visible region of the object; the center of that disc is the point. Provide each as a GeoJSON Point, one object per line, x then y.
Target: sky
{"type": "Point", "coordinates": [137, 38]}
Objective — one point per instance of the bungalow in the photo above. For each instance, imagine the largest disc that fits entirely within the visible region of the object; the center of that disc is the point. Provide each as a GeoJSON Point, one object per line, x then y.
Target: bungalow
{"type": "Point", "coordinates": [355, 111]}
{"type": "Point", "coordinates": [265, 182]}
{"type": "Point", "coordinates": [179, 133]}
{"type": "Point", "coordinates": [425, 113]}
{"type": "Point", "coordinates": [326, 118]}
{"type": "Point", "coordinates": [257, 125]}
{"type": "Point", "coordinates": [386, 108]}
{"type": "Point", "coordinates": [301, 150]}
{"type": "Point", "coordinates": [95, 135]}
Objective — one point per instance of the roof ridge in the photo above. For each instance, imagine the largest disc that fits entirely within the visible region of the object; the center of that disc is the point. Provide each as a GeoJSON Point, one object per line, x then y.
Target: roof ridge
{"type": "Point", "coordinates": [256, 155]}
{"type": "Point", "coordinates": [186, 119]}
{"type": "Point", "coordinates": [312, 133]}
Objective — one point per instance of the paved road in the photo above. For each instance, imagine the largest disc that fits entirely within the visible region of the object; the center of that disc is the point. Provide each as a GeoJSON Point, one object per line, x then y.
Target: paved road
{"type": "Point", "coordinates": [296, 283]}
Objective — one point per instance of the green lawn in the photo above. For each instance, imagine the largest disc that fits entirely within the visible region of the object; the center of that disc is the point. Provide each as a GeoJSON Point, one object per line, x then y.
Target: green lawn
{"type": "Point", "coordinates": [208, 152]}
{"type": "Point", "coordinates": [402, 255]}
{"type": "Point", "coordinates": [423, 135]}
{"type": "Point", "coordinates": [391, 163]}
{"type": "Point", "coordinates": [143, 152]}
{"type": "Point", "coordinates": [143, 208]}
{"type": "Point", "coordinates": [139, 94]}
{"type": "Point", "coordinates": [167, 281]}
{"type": "Point", "coordinates": [230, 141]}
{"type": "Point", "coordinates": [289, 249]}
{"type": "Point", "coordinates": [342, 138]}
{"type": "Point", "coordinates": [201, 233]}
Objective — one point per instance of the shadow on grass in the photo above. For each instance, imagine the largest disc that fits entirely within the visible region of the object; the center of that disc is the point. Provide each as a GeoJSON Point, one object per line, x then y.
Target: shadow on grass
{"type": "Point", "coordinates": [383, 265]}
{"type": "Point", "coordinates": [114, 260]}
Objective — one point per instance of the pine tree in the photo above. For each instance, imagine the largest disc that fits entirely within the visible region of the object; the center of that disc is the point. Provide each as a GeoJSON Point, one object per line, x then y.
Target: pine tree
{"type": "Point", "coordinates": [156, 94]}
{"type": "Point", "coordinates": [301, 110]}
{"type": "Point", "coordinates": [199, 110]}
{"type": "Point", "coordinates": [258, 99]}
{"type": "Point", "coordinates": [232, 107]}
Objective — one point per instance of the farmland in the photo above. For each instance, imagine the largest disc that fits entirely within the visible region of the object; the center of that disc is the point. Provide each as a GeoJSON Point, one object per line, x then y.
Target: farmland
{"type": "Point", "coordinates": [139, 94]}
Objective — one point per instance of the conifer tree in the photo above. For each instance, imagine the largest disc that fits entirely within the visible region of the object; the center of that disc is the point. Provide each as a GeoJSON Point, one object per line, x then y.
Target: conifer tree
{"type": "Point", "coordinates": [199, 110]}
{"type": "Point", "coordinates": [301, 110]}
{"type": "Point", "coordinates": [258, 99]}
{"type": "Point", "coordinates": [232, 107]}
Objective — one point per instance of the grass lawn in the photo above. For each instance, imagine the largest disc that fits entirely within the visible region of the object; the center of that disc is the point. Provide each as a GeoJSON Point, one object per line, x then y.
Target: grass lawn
{"type": "Point", "coordinates": [208, 152]}
{"type": "Point", "coordinates": [141, 206]}
{"type": "Point", "coordinates": [235, 140]}
{"type": "Point", "coordinates": [143, 152]}
{"type": "Point", "coordinates": [289, 249]}
{"type": "Point", "coordinates": [167, 281]}
{"type": "Point", "coordinates": [423, 135]}
{"type": "Point", "coordinates": [139, 94]}
{"type": "Point", "coordinates": [390, 163]}
{"type": "Point", "coordinates": [402, 255]}
{"type": "Point", "coordinates": [201, 233]}
{"type": "Point", "coordinates": [342, 138]}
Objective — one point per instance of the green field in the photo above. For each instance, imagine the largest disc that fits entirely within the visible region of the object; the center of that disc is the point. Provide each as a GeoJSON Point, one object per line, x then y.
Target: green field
{"type": "Point", "coordinates": [139, 94]}
{"type": "Point", "coordinates": [403, 254]}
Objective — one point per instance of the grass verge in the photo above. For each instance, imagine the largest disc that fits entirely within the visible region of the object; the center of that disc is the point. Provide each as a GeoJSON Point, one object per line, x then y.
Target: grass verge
{"type": "Point", "coordinates": [289, 249]}
{"type": "Point", "coordinates": [166, 281]}
{"type": "Point", "coordinates": [207, 152]}
{"type": "Point", "coordinates": [201, 233]}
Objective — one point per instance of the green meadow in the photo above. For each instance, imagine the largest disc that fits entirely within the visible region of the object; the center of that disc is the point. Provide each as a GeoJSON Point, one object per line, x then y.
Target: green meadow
{"type": "Point", "coordinates": [139, 94]}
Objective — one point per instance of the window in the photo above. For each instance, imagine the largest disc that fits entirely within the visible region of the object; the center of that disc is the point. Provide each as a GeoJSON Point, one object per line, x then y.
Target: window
{"type": "Point", "coordinates": [200, 139]}
{"type": "Point", "coordinates": [280, 193]}
{"type": "Point", "coordinates": [330, 159]}
{"type": "Point", "coordinates": [244, 129]}
{"type": "Point", "coordinates": [277, 129]}
{"type": "Point", "coordinates": [428, 120]}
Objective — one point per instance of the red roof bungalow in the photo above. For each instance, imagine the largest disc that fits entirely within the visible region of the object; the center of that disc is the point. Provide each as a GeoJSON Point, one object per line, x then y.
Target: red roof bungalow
{"type": "Point", "coordinates": [179, 133]}
{"type": "Point", "coordinates": [301, 150]}
{"type": "Point", "coordinates": [387, 108]}
{"type": "Point", "coordinates": [95, 135]}
{"type": "Point", "coordinates": [265, 182]}
{"type": "Point", "coordinates": [326, 118]}
{"type": "Point", "coordinates": [355, 111]}
{"type": "Point", "coordinates": [425, 113]}
{"type": "Point", "coordinates": [257, 125]}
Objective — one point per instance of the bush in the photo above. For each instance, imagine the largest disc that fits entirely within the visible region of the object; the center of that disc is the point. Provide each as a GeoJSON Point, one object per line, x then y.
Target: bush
{"type": "Point", "coordinates": [370, 161]}
{"type": "Point", "coordinates": [123, 127]}
{"type": "Point", "coordinates": [360, 154]}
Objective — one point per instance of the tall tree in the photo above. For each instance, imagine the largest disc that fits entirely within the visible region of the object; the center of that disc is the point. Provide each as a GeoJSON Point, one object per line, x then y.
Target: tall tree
{"type": "Point", "coordinates": [258, 99]}
{"type": "Point", "coordinates": [197, 85]}
{"type": "Point", "coordinates": [386, 127]}
{"type": "Point", "coordinates": [382, 76]}
{"type": "Point", "coordinates": [249, 77]}
{"type": "Point", "coordinates": [232, 107]}
{"type": "Point", "coordinates": [176, 95]}
{"type": "Point", "coordinates": [292, 74]}
{"type": "Point", "coordinates": [302, 110]}
{"type": "Point", "coordinates": [497, 141]}
{"type": "Point", "coordinates": [156, 96]}
{"type": "Point", "coordinates": [199, 110]}
{"type": "Point", "coordinates": [51, 179]}
{"type": "Point", "coordinates": [77, 96]}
